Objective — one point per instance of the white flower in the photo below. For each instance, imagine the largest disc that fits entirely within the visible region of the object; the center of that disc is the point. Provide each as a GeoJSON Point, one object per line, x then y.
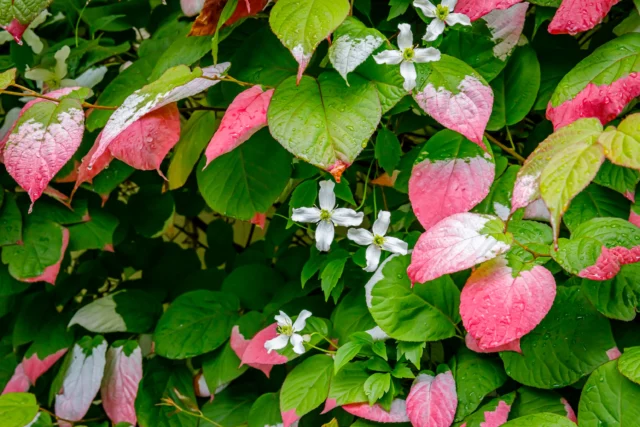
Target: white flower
{"type": "Point", "coordinates": [377, 241]}
{"type": "Point", "coordinates": [442, 14]}
{"type": "Point", "coordinates": [327, 216]}
{"type": "Point", "coordinates": [287, 332]}
{"type": "Point", "coordinates": [406, 56]}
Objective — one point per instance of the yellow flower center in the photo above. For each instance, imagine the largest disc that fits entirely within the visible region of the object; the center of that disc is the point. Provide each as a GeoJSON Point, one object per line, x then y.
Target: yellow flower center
{"type": "Point", "coordinates": [378, 240]}
{"type": "Point", "coordinates": [285, 330]}
{"type": "Point", "coordinates": [325, 215]}
{"type": "Point", "coordinates": [408, 54]}
{"type": "Point", "coordinates": [442, 12]}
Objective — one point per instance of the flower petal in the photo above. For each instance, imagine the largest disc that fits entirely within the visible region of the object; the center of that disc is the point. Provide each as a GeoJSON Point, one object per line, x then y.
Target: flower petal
{"type": "Point", "coordinates": [301, 321]}
{"type": "Point", "coordinates": [360, 236]}
{"type": "Point", "coordinates": [373, 258]}
{"type": "Point", "coordinates": [426, 7]}
{"type": "Point", "coordinates": [429, 54]}
{"type": "Point", "coordinates": [451, 4]}
{"type": "Point", "coordinates": [327, 196]}
{"type": "Point", "coordinates": [296, 342]}
{"type": "Point", "coordinates": [395, 245]}
{"type": "Point", "coordinates": [306, 215]}
{"type": "Point", "coordinates": [381, 225]}
{"type": "Point", "coordinates": [324, 235]}
{"type": "Point", "coordinates": [277, 343]}
{"type": "Point", "coordinates": [457, 18]}
{"type": "Point", "coordinates": [408, 72]}
{"type": "Point", "coordinates": [434, 29]}
{"type": "Point", "coordinates": [346, 217]}
{"type": "Point", "coordinates": [405, 38]}
{"type": "Point", "coordinates": [391, 57]}
{"type": "Point", "coordinates": [283, 319]}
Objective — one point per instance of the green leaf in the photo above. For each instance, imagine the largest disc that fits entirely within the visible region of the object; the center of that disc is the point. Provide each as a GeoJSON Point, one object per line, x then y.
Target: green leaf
{"type": "Point", "coordinates": [195, 323]}
{"type": "Point", "coordinates": [125, 311]}
{"type": "Point", "coordinates": [567, 174]}
{"type": "Point", "coordinates": [531, 401]}
{"type": "Point", "coordinates": [228, 409]}
{"type": "Point", "coordinates": [265, 411]}
{"type": "Point", "coordinates": [572, 326]}
{"type": "Point", "coordinates": [498, 201]}
{"type": "Point", "coordinates": [617, 178]}
{"type": "Point", "coordinates": [41, 248]}
{"type": "Point", "coordinates": [306, 386]}
{"type": "Point", "coordinates": [109, 179]}
{"type": "Point", "coordinates": [194, 137]}
{"type": "Point", "coordinates": [10, 221]}
{"type": "Point", "coordinates": [24, 11]}
{"type": "Point", "coordinates": [151, 213]}
{"type": "Point", "coordinates": [7, 78]}
{"type": "Point", "coordinates": [351, 315]}
{"type": "Point", "coordinates": [629, 364]}
{"type": "Point", "coordinates": [97, 233]}
{"type": "Point", "coordinates": [323, 121]}
{"type": "Point", "coordinates": [17, 409]}
{"type": "Point", "coordinates": [347, 386]}
{"type": "Point", "coordinates": [388, 151]}
{"type": "Point", "coordinates": [184, 50]}
{"type": "Point", "coordinates": [401, 370]}
{"type": "Point", "coordinates": [35, 312]}
{"type": "Point", "coordinates": [10, 286]}
{"type": "Point", "coordinates": [426, 312]}
{"type": "Point", "coordinates": [304, 195]}
{"type": "Point", "coordinates": [595, 202]}
{"type": "Point", "coordinates": [353, 43]}
{"type": "Point", "coordinates": [541, 420]}
{"type": "Point", "coordinates": [387, 80]}
{"type": "Point", "coordinates": [412, 351]}
{"type": "Point", "coordinates": [610, 399]}
{"type": "Point", "coordinates": [616, 298]}
{"type": "Point", "coordinates": [345, 354]}
{"type": "Point", "coordinates": [165, 380]}
{"type": "Point", "coordinates": [476, 376]}
{"type": "Point", "coordinates": [255, 285]}
{"type": "Point", "coordinates": [289, 20]}
{"type": "Point", "coordinates": [611, 232]}
{"type": "Point", "coordinates": [515, 89]}
{"type": "Point", "coordinates": [622, 144]}
{"type": "Point", "coordinates": [331, 274]}
{"type": "Point", "coordinates": [398, 7]}
{"type": "Point", "coordinates": [261, 170]}
{"type": "Point", "coordinates": [376, 386]}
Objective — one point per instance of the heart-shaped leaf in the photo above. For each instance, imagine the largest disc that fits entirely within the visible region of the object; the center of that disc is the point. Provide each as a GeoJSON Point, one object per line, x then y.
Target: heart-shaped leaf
{"type": "Point", "coordinates": [122, 375]}
{"type": "Point", "coordinates": [432, 400]}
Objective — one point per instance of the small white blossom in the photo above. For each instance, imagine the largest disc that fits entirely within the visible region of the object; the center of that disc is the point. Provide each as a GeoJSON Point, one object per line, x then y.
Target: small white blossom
{"type": "Point", "coordinates": [327, 216]}
{"type": "Point", "coordinates": [442, 15]}
{"type": "Point", "coordinates": [287, 332]}
{"type": "Point", "coordinates": [377, 241]}
{"type": "Point", "coordinates": [406, 56]}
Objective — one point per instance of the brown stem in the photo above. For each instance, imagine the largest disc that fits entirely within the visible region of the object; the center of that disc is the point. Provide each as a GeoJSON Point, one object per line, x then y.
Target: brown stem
{"type": "Point", "coordinates": [505, 148]}
{"type": "Point", "coordinates": [37, 95]}
{"type": "Point", "coordinates": [531, 251]}
{"type": "Point", "coordinates": [230, 79]}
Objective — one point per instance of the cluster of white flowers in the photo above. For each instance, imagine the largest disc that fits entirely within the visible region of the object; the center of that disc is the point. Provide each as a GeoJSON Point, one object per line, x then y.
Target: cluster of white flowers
{"type": "Point", "coordinates": [408, 54]}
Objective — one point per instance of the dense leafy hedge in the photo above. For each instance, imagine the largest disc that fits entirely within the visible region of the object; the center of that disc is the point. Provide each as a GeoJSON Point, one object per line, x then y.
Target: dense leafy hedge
{"type": "Point", "coordinates": [319, 213]}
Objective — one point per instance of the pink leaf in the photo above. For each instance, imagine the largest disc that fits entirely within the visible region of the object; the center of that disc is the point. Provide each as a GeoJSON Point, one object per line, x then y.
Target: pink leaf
{"type": "Point", "coordinates": [42, 141]}
{"type": "Point", "coordinates": [34, 367]}
{"type": "Point", "coordinates": [255, 353]}
{"type": "Point", "coordinates": [146, 142]}
{"type": "Point", "coordinates": [626, 256]}
{"type": "Point", "coordinates": [397, 414]}
{"type": "Point", "coordinates": [50, 273]}
{"type": "Point", "coordinates": [475, 9]}
{"type": "Point", "coordinates": [191, 7]}
{"type": "Point", "coordinates": [455, 244]}
{"type": "Point", "coordinates": [538, 211]}
{"type": "Point", "coordinates": [466, 112]}
{"type": "Point", "coordinates": [472, 344]}
{"type": "Point", "coordinates": [602, 102]}
{"type": "Point", "coordinates": [498, 416]}
{"type": "Point", "coordinates": [259, 219]}
{"type": "Point", "coordinates": [613, 353]}
{"type": "Point", "coordinates": [498, 308]}
{"type": "Point", "coordinates": [239, 345]}
{"type": "Point", "coordinates": [120, 383]}
{"type": "Point", "coordinates": [246, 115]}
{"type": "Point", "coordinates": [506, 28]}
{"type": "Point", "coordinates": [16, 29]}
{"type": "Point", "coordinates": [576, 16]}
{"type": "Point", "coordinates": [329, 405]}
{"type": "Point", "coordinates": [86, 173]}
{"type": "Point", "coordinates": [19, 382]}
{"type": "Point", "coordinates": [438, 189]}
{"type": "Point", "coordinates": [570, 413]}
{"type": "Point", "coordinates": [432, 401]}
{"type": "Point", "coordinates": [606, 267]}
{"type": "Point", "coordinates": [289, 418]}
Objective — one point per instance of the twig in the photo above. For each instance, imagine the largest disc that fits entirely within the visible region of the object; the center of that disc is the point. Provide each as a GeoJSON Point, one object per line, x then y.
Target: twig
{"type": "Point", "coordinates": [505, 148]}
{"type": "Point", "coordinates": [47, 98]}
